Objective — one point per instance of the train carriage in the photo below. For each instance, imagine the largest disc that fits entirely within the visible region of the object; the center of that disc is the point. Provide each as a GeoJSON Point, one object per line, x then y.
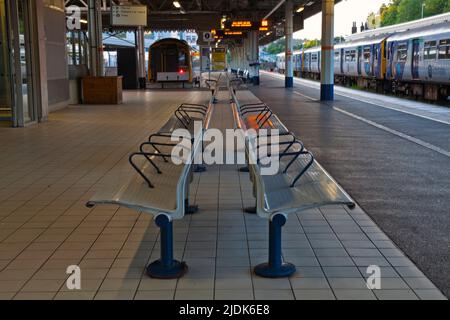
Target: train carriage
{"type": "Point", "coordinates": [419, 61]}
{"type": "Point", "coordinates": [280, 63]}
{"type": "Point", "coordinates": [361, 62]}
{"type": "Point", "coordinates": [414, 62]}
{"type": "Point", "coordinates": [170, 60]}
{"type": "Point", "coordinates": [312, 65]}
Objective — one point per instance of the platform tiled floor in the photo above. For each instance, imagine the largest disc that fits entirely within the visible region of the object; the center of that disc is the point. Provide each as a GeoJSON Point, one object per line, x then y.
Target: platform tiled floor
{"type": "Point", "coordinates": [49, 171]}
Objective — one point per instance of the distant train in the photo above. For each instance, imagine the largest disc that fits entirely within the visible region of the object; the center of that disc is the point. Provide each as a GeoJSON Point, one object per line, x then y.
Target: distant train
{"type": "Point", "coordinates": [415, 62]}
{"type": "Point", "coordinates": [170, 60]}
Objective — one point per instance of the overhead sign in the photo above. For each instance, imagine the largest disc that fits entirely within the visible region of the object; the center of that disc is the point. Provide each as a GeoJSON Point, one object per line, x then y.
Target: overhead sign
{"type": "Point", "coordinates": [129, 16]}
{"type": "Point", "coordinates": [223, 34]}
{"type": "Point", "coordinates": [279, 31]}
{"type": "Point", "coordinates": [207, 36]}
{"type": "Point", "coordinates": [247, 25]}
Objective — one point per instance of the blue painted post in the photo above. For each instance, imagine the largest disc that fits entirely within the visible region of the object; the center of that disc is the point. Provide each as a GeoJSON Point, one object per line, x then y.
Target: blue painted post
{"type": "Point", "coordinates": [289, 31]}
{"type": "Point", "coordinates": [166, 241]}
{"type": "Point", "coordinates": [327, 61]}
{"type": "Point", "coordinates": [275, 268]}
{"type": "Point", "coordinates": [166, 267]}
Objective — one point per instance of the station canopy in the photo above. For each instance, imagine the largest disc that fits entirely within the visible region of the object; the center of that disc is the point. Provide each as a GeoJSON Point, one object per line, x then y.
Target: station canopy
{"type": "Point", "coordinates": [206, 15]}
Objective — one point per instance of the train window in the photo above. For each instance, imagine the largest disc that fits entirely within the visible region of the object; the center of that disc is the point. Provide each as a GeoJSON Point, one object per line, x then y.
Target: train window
{"type": "Point", "coordinates": [182, 59]}
{"type": "Point", "coordinates": [430, 50]}
{"type": "Point", "coordinates": [314, 57]}
{"type": "Point", "coordinates": [444, 49]}
{"type": "Point", "coordinates": [402, 52]}
{"type": "Point", "coordinates": [366, 54]}
{"type": "Point", "coordinates": [353, 55]}
{"type": "Point", "coordinates": [350, 55]}
{"type": "Point", "coordinates": [337, 56]}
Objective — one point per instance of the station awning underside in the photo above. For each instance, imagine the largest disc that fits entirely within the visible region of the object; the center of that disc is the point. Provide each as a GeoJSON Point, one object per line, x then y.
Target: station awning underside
{"type": "Point", "coordinates": [205, 15]}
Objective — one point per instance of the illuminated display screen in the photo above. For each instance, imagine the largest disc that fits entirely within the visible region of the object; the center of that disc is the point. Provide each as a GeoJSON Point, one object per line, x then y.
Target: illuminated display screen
{"type": "Point", "coordinates": [247, 25]}
{"type": "Point", "coordinates": [225, 34]}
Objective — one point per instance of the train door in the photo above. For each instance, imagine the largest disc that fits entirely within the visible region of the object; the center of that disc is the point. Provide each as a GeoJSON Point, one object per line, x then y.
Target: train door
{"type": "Point", "coordinates": [359, 59]}
{"type": "Point", "coordinates": [342, 60]}
{"type": "Point", "coordinates": [319, 62]}
{"type": "Point", "coordinates": [373, 59]}
{"type": "Point", "coordinates": [415, 59]}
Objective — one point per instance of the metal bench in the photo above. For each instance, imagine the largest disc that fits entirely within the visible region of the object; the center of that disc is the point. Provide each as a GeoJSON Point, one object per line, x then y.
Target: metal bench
{"type": "Point", "coordinates": [300, 184]}
{"type": "Point", "coordinates": [161, 187]}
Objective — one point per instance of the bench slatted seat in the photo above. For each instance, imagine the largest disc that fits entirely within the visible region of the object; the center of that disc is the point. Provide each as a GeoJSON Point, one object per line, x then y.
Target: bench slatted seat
{"type": "Point", "coordinates": [300, 184]}
{"type": "Point", "coordinates": [136, 193]}
{"type": "Point", "coordinates": [160, 187]}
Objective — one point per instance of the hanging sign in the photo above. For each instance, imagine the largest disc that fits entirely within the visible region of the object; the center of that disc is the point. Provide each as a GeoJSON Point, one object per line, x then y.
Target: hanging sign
{"type": "Point", "coordinates": [129, 16]}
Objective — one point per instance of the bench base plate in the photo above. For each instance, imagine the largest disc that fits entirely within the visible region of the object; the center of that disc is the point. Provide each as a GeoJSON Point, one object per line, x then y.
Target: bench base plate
{"type": "Point", "coordinates": [191, 210]}
{"type": "Point", "coordinates": [250, 210]}
{"type": "Point", "coordinates": [157, 270]}
{"type": "Point", "coordinates": [265, 270]}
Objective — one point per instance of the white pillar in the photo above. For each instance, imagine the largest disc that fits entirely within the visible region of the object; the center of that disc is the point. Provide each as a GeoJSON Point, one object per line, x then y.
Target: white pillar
{"type": "Point", "coordinates": [289, 31]}
{"type": "Point", "coordinates": [254, 40]}
{"type": "Point", "coordinates": [95, 38]}
{"type": "Point", "coordinates": [140, 44]}
{"type": "Point", "coordinates": [42, 87]}
{"type": "Point", "coordinates": [327, 58]}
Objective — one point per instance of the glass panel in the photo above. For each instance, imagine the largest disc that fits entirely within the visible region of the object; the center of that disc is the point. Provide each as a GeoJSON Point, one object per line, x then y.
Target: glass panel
{"type": "Point", "coordinates": [25, 66]}
{"type": "Point", "coordinates": [5, 80]}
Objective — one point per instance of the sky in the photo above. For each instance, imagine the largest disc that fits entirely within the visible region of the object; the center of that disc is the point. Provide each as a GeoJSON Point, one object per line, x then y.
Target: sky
{"type": "Point", "coordinates": [346, 12]}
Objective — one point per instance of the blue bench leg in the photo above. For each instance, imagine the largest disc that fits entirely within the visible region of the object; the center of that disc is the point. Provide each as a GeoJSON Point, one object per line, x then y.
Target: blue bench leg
{"type": "Point", "coordinates": [190, 209]}
{"type": "Point", "coordinates": [250, 210]}
{"type": "Point", "coordinates": [275, 268]}
{"type": "Point", "coordinates": [166, 267]}
{"type": "Point", "coordinates": [244, 169]}
{"type": "Point", "coordinates": [199, 168]}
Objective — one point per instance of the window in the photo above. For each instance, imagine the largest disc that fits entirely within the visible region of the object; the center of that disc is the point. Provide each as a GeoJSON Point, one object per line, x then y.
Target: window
{"type": "Point", "coordinates": [337, 56]}
{"type": "Point", "coordinates": [430, 50]}
{"type": "Point", "coordinates": [366, 54]}
{"type": "Point", "coordinates": [444, 49]}
{"type": "Point", "coordinates": [76, 48]}
{"type": "Point", "coordinates": [402, 52]}
{"type": "Point", "coordinates": [182, 59]}
{"type": "Point", "coordinates": [314, 57]}
{"type": "Point", "coordinates": [350, 56]}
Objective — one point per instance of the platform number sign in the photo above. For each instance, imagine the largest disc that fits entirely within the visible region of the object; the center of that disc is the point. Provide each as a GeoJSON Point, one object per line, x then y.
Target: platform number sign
{"type": "Point", "coordinates": [279, 31]}
{"type": "Point", "coordinates": [208, 37]}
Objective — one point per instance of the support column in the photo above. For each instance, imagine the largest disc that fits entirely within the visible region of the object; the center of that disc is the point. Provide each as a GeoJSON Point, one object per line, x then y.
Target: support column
{"type": "Point", "coordinates": [95, 38]}
{"type": "Point", "coordinates": [140, 44]}
{"type": "Point", "coordinates": [41, 73]}
{"type": "Point", "coordinates": [289, 31]}
{"type": "Point", "coordinates": [254, 38]}
{"type": "Point", "coordinates": [327, 61]}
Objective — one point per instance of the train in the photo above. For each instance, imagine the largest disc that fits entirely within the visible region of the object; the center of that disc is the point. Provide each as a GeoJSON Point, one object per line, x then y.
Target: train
{"type": "Point", "coordinates": [170, 60]}
{"type": "Point", "coordinates": [414, 62]}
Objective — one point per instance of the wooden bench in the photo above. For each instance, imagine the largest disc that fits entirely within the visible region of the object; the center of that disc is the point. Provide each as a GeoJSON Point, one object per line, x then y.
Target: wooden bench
{"type": "Point", "coordinates": [161, 187]}
{"type": "Point", "coordinates": [300, 184]}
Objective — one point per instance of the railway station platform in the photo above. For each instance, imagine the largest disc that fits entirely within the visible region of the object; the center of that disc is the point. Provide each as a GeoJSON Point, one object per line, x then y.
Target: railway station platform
{"type": "Point", "coordinates": [50, 170]}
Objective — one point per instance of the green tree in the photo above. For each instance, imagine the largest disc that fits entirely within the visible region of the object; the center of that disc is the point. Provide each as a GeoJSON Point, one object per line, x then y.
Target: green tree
{"type": "Point", "coordinates": [399, 11]}
{"type": "Point", "coordinates": [447, 6]}
{"type": "Point", "coordinates": [389, 14]}
{"type": "Point", "coordinates": [434, 7]}
{"type": "Point", "coordinates": [409, 10]}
